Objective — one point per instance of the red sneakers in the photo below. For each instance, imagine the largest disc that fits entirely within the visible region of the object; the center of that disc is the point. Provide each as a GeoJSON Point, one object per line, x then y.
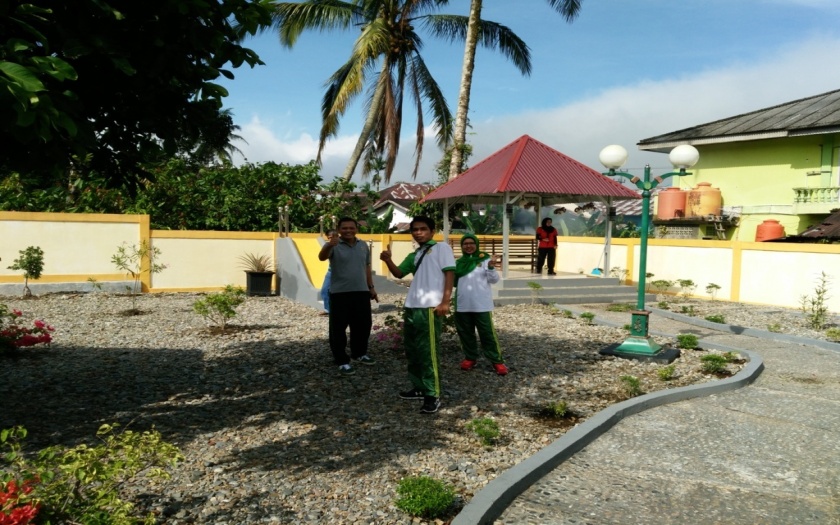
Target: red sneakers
{"type": "Point", "coordinates": [501, 369]}
{"type": "Point", "coordinates": [467, 364]}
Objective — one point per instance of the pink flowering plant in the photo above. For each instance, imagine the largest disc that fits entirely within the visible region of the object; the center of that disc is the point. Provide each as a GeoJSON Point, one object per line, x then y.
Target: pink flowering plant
{"type": "Point", "coordinates": [390, 333]}
{"type": "Point", "coordinates": [14, 334]}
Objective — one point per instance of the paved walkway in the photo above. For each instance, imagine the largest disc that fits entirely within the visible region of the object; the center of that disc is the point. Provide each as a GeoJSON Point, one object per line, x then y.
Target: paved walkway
{"type": "Point", "coordinates": [767, 453]}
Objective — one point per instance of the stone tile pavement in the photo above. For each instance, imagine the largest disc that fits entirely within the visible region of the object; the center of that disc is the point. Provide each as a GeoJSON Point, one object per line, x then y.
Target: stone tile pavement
{"type": "Point", "coordinates": [767, 453]}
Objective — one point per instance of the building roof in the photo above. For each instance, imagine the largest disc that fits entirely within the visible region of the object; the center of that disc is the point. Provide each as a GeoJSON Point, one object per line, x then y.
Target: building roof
{"type": "Point", "coordinates": [527, 168]}
{"type": "Point", "coordinates": [807, 116]}
{"type": "Point", "coordinates": [827, 230]}
{"type": "Point", "coordinates": [402, 194]}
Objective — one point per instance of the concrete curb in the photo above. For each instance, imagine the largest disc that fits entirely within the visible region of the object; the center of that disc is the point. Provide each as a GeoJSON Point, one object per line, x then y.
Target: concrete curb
{"type": "Point", "coordinates": [494, 498]}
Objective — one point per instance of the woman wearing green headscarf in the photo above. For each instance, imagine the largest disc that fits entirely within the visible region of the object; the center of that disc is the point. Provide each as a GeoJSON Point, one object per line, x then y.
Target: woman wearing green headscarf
{"type": "Point", "coordinates": [475, 272]}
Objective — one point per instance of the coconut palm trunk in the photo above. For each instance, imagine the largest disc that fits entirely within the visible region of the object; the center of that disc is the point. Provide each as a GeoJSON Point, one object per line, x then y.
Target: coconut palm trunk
{"type": "Point", "coordinates": [459, 134]}
{"type": "Point", "coordinates": [569, 9]}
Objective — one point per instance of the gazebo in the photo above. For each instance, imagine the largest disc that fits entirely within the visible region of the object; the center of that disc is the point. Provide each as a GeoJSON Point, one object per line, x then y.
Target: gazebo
{"type": "Point", "coordinates": [526, 170]}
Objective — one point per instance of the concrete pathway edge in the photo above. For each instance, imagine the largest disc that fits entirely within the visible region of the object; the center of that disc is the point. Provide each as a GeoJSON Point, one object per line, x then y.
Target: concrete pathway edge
{"type": "Point", "coordinates": [494, 498]}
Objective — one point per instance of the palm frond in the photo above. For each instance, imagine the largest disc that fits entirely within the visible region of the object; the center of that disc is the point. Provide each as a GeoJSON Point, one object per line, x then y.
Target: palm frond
{"type": "Point", "coordinates": [570, 9]}
{"type": "Point", "coordinates": [293, 18]}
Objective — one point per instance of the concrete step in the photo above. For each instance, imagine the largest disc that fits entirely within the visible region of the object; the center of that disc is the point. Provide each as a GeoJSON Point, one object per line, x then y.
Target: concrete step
{"type": "Point", "coordinates": [564, 291]}
{"type": "Point", "coordinates": [513, 284]}
{"type": "Point", "coordinates": [573, 299]}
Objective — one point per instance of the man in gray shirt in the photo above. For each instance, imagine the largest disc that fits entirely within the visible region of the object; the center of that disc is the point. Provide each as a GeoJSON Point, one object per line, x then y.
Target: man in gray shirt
{"type": "Point", "coordinates": [351, 291]}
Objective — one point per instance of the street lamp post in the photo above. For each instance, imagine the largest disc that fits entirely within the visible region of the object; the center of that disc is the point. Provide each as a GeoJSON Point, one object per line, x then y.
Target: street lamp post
{"type": "Point", "coordinates": [639, 344]}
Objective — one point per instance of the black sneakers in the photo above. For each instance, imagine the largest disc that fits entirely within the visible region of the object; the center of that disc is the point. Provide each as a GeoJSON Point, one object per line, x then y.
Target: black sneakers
{"type": "Point", "coordinates": [412, 394]}
{"type": "Point", "coordinates": [431, 405]}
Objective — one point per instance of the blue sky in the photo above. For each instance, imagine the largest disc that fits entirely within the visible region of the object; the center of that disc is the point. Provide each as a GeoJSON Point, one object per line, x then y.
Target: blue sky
{"type": "Point", "coordinates": [625, 70]}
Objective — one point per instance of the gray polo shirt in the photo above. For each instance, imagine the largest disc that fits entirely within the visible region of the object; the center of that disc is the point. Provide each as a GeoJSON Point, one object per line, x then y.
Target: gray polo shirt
{"type": "Point", "coordinates": [349, 267]}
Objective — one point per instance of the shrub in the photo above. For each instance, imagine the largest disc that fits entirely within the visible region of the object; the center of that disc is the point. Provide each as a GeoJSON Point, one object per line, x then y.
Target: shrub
{"type": "Point", "coordinates": [31, 262]}
{"type": "Point", "coordinates": [588, 317]}
{"type": "Point", "coordinates": [774, 327]}
{"type": "Point", "coordinates": [557, 409]}
{"type": "Point", "coordinates": [715, 318]}
{"type": "Point", "coordinates": [713, 363]}
{"type": "Point", "coordinates": [567, 314]}
{"type": "Point", "coordinates": [536, 288]}
{"type": "Point", "coordinates": [632, 385]}
{"type": "Point", "coordinates": [81, 484]}
{"type": "Point", "coordinates": [14, 335]}
{"type": "Point", "coordinates": [619, 273]}
{"type": "Point", "coordinates": [619, 307]}
{"type": "Point", "coordinates": [663, 305]}
{"type": "Point", "coordinates": [712, 289]}
{"type": "Point", "coordinates": [833, 334]}
{"type": "Point", "coordinates": [486, 429]}
{"type": "Point", "coordinates": [814, 307]}
{"type": "Point", "coordinates": [662, 285]}
{"type": "Point", "coordinates": [687, 310]}
{"type": "Point", "coordinates": [666, 373]}
{"type": "Point", "coordinates": [218, 308]}
{"type": "Point", "coordinates": [687, 287]}
{"type": "Point", "coordinates": [135, 261]}
{"type": "Point", "coordinates": [687, 341]}
{"type": "Point", "coordinates": [424, 497]}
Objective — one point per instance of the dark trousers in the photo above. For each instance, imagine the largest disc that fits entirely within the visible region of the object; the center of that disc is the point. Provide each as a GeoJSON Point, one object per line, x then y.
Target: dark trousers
{"type": "Point", "coordinates": [550, 253]}
{"type": "Point", "coordinates": [349, 309]}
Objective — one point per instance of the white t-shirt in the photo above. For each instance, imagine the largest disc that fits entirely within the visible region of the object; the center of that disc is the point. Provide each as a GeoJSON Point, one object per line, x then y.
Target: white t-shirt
{"type": "Point", "coordinates": [474, 293]}
{"type": "Point", "coordinates": [426, 290]}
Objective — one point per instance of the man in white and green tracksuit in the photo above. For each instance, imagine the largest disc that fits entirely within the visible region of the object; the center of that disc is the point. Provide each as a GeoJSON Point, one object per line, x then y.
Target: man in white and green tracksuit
{"type": "Point", "coordinates": [427, 302]}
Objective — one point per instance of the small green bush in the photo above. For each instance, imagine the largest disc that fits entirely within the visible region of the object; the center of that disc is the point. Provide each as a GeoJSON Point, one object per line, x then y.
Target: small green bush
{"type": "Point", "coordinates": [687, 341]}
{"type": "Point", "coordinates": [774, 327]}
{"type": "Point", "coordinates": [833, 334]}
{"type": "Point", "coordinates": [588, 317]}
{"type": "Point", "coordinates": [687, 287]}
{"type": "Point", "coordinates": [424, 497]}
{"type": "Point", "coordinates": [567, 314]}
{"type": "Point", "coordinates": [557, 408]}
{"type": "Point", "coordinates": [31, 262]}
{"type": "Point", "coordinates": [713, 363]}
{"type": "Point", "coordinates": [715, 318]}
{"type": "Point", "coordinates": [814, 307]}
{"type": "Point", "coordinates": [662, 285]}
{"type": "Point", "coordinates": [486, 429]}
{"type": "Point", "coordinates": [666, 373]}
{"type": "Point", "coordinates": [628, 327]}
{"type": "Point", "coordinates": [632, 385]}
{"type": "Point", "coordinates": [712, 289]}
{"type": "Point", "coordinates": [687, 310]}
{"type": "Point", "coordinates": [218, 308]}
{"type": "Point", "coordinates": [619, 307]}
{"type": "Point", "coordinates": [663, 305]}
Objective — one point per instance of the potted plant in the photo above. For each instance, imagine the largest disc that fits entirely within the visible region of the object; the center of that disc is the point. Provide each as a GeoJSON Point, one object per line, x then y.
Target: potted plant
{"type": "Point", "coordinates": [259, 272]}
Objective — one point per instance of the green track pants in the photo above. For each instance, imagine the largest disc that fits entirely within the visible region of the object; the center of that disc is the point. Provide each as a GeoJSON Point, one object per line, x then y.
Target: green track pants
{"type": "Point", "coordinates": [467, 323]}
{"type": "Point", "coordinates": [421, 337]}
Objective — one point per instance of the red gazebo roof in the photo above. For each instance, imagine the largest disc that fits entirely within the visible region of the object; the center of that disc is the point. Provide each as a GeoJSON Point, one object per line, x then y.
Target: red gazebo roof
{"type": "Point", "coordinates": [528, 168]}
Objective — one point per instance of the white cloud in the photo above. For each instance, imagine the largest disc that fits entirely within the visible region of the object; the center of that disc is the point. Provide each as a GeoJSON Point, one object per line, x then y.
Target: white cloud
{"type": "Point", "coordinates": [621, 115]}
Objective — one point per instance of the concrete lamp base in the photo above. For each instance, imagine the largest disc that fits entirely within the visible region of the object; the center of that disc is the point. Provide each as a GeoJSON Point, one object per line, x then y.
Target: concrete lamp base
{"type": "Point", "coordinates": [663, 355]}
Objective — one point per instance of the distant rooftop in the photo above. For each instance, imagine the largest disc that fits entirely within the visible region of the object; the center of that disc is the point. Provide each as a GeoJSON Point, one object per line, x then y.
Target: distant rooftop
{"type": "Point", "coordinates": [807, 116]}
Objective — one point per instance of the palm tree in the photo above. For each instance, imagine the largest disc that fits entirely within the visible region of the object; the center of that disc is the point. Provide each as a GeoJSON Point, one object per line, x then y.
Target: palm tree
{"type": "Point", "coordinates": [569, 9]}
{"type": "Point", "coordinates": [389, 43]}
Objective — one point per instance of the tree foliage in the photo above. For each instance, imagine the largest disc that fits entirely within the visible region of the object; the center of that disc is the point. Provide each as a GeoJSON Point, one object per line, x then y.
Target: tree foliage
{"type": "Point", "coordinates": [108, 86]}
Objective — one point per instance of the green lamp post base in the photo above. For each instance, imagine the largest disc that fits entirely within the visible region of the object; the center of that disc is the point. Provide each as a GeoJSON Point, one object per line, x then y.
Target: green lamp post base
{"type": "Point", "coordinates": [641, 349]}
{"type": "Point", "coordinates": [640, 345]}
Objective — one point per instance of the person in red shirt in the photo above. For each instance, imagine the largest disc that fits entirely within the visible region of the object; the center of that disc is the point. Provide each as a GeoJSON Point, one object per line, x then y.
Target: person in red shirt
{"type": "Point", "coordinates": [547, 237]}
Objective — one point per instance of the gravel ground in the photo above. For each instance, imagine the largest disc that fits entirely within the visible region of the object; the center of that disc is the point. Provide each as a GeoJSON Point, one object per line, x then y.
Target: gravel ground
{"type": "Point", "coordinates": [778, 319]}
{"type": "Point", "coordinates": [271, 433]}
